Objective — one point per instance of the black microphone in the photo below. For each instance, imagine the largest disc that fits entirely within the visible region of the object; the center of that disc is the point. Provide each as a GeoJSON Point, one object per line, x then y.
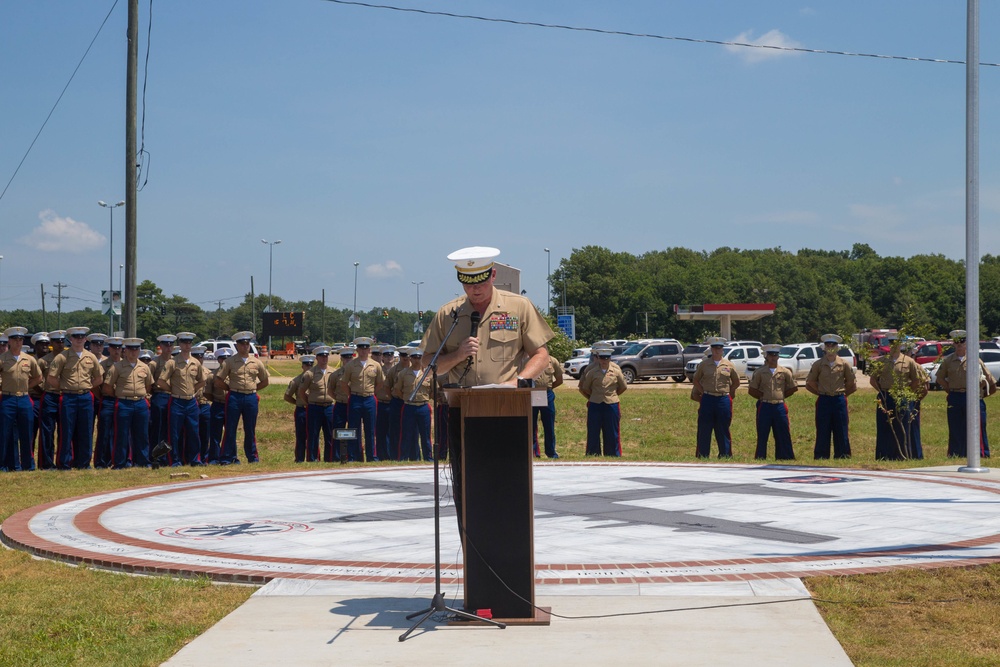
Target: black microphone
{"type": "Point", "coordinates": [474, 332]}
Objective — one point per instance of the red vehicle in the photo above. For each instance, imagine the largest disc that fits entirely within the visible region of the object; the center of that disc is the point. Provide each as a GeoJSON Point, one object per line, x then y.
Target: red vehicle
{"type": "Point", "coordinates": [877, 338]}
{"type": "Point", "coordinates": [931, 350]}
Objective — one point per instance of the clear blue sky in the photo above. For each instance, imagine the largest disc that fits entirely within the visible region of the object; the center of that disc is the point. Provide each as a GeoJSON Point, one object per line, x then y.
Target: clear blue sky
{"type": "Point", "coordinates": [391, 139]}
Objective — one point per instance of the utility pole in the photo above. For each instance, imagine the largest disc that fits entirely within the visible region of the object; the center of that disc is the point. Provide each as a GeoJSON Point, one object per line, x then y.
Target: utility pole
{"type": "Point", "coordinates": [44, 318]}
{"type": "Point", "coordinates": [322, 317]}
{"type": "Point", "coordinates": [131, 172]}
{"type": "Point", "coordinates": [59, 298]}
{"type": "Point", "coordinates": [219, 328]}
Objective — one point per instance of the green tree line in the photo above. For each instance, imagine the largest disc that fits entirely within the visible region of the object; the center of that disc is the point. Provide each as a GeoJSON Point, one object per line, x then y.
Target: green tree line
{"type": "Point", "coordinates": [614, 294]}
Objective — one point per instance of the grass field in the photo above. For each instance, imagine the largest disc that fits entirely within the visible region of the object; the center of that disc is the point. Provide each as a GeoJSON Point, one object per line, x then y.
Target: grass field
{"type": "Point", "coordinates": [54, 614]}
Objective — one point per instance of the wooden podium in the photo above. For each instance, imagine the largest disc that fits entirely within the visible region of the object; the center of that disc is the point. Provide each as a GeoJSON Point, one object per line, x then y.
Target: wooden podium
{"type": "Point", "coordinates": [496, 501]}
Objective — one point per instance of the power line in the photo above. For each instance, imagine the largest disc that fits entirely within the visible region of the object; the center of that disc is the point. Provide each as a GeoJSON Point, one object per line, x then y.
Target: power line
{"type": "Point", "coordinates": [58, 99]}
{"type": "Point", "coordinates": [624, 33]}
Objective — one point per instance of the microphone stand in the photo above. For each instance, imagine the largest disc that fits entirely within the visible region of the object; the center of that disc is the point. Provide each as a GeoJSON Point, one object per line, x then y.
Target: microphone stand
{"type": "Point", "coordinates": [437, 603]}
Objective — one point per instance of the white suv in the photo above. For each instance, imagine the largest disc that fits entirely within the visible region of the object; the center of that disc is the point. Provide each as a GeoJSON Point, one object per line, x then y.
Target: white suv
{"type": "Point", "coordinates": [741, 357]}
{"type": "Point", "coordinates": [800, 357]}
{"type": "Point", "coordinates": [214, 346]}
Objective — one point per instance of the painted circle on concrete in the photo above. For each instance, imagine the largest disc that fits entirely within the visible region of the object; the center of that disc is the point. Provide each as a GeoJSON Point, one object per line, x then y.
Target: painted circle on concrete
{"type": "Point", "coordinates": [594, 523]}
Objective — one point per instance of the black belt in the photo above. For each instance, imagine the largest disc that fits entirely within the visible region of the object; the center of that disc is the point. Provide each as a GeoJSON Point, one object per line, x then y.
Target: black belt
{"type": "Point", "coordinates": [708, 393]}
{"type": "Point", "coordinates": [15, 393]}
{"type": "Point", "coordinates": [129, 398]}
{"type": "Point", "coordinates": [321, 404]}
{"type": "Point", "coordinates": [418, 405]}
{"type": "Point", "coordinates": [773, 402]}
{"type": "Point", "coordinates": [362, 395]}
{"type": "Point", "coordinates": [77, 393]}
{"type": "Point", "coordinates": [233, 391]}
{"type": "Point", "coordinates": [840, 394]}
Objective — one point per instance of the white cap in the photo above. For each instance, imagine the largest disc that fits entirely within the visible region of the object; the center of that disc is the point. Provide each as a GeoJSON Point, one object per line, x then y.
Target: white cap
{"type": "Point", "coordinates": [134, 342]}
{"type": "Point", "coordinates": [77, 331]}
{"type": "Point", "coordinates": [243, 335]}
{"type": "Point", "coordinates": [831, 338]}
{"type": "Point", "coordinates": [716, 341]}
{"type": "Point", "coordinates": [771, 348]}
{"type": "Point", "coordinates": [40, 337]}
{"type": "Point", "coordinates": [166, 338]}
{"type": "Point", "coordinates": [474, 264]}
{"type": "Point", "coordinates": [19, 332]}
{"type": "Point", "coordinates": [185, 336]}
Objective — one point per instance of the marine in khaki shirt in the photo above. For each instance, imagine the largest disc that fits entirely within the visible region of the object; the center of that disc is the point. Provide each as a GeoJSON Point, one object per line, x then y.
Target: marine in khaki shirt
{"type": "Point", "coordinates": [363, 377]}
{"type": "Point", "coordinates": [716, 378]}
{"type": "Point", "coordinates": [603, 383]}
{"type": "Point", "coordinates": [831, 376]}
{"type": "Point", "coordinates": [75, 372]}
{"type": "Point", "coordinates": [313, 388]}
{"type": "Point", "coordinates": [183, 378]}
{"type": "Point", "coordinates": [18, 375]}
{"type": "Point", "coordinates": [772, 385]}
{"type": "Point", "coordinates": [551, 377]}
{"type": "Point", "coordinates": [407, 380]}
{"type": "Point", "coordinates": [128, 381]}
{"type": "Point", "coordinates": [510, 327]}
{"type": "Point", "coordinates": [245, 375]}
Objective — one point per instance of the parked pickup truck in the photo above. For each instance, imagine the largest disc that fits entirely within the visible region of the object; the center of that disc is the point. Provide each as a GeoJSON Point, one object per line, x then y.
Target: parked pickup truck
{"type": "Point", "coordinates": [648, 359]}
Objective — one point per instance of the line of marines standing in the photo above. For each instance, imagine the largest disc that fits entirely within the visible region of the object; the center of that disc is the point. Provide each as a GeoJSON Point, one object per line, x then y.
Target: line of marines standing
{"type": "Point", "coordinates": [371, 393]}
{"type": "Point", "coordinates": [162, 410]}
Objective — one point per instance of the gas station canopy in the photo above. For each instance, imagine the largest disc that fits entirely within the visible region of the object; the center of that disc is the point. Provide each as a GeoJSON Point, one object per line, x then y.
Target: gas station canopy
{"type": "Point", "coordinates": [725, 313]}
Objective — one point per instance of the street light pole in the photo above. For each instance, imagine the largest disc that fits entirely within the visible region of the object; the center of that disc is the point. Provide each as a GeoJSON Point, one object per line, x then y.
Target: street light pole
{"type": "Point", "coordinates": [111, 265]}
{"type": "Point", "coordinates": [354, 313]}
{"type": "Point", "coordinates": [270, 273]}
{"type": "Point", "coordinates": [548, 278]}
{"type": "Point", "coordinates": [121, 267]}
{"type": "Point", "coordinates": [419, 322]}
{"type": "Point", "coordinates": [1, 282]}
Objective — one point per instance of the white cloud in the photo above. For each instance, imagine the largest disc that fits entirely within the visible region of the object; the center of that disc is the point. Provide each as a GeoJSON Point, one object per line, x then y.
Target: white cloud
{"type": "Point", "coordinates": [774, 38]}
{"type": "Point", "coordinates": [388, 269]}
{"type": "Point", "coordinates": [58, 234]}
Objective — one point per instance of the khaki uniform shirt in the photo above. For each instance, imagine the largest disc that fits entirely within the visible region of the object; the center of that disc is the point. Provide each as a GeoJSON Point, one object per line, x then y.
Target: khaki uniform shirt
{"type": "Point", "coordinates": [717, 379]}
{"type": "Point", "coordinates": [383, 392]}
{"type": "Point", "coordinates": [604, 387]}
{"type": "Point", "coordinates": [904, 370]}
{"type": "Point", "coordinates": [362, 377]}
{"type": "Point", "coordinates": [510, 328]}
{"type": "Point", "coordinates": [15, 374]}
{"type": "Point", "coordinates": [183, 377]}
{"type": "Point", "coordinates": [392, 379]}
{"type": "Point", "coordinates": [293, 390]}
{"type": "Point", "coordinates": [243, 376]}
{"type": "Point", "coordinates": [156, 365]}
{"type": "Point", "coordinates": [407, 380]}
{"type": "Point", "coordinates": [774, 387]}
{"type": "Point", "coordinates": [315, 381]}
{"type": "Point", "coordinates": [831, 378]}
{"type": "Point", "coordinates": [953, 371]}
{"type": "Point", "coordinates": [550, 375]}
{"type": "Point", "coordinates": [45, 363]}
{"type": "Point", "coordinates": [130, 382]}
{"type": "Point", "coordinates": [336, 388]}
{"type": "Point", "coordinates": [210, 391]}
{"type": "Point", "coordinates": [76, 374]}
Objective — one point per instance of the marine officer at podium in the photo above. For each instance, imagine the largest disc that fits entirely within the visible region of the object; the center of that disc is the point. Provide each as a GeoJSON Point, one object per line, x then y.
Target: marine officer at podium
{"type": "Point", "coordinates": [509, 327]}
{"type": "Point", "coordinates": [499, 338]}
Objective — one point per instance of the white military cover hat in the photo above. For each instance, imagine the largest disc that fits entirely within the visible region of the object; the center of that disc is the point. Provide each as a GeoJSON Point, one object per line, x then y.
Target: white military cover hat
{"type": "Point", "coordinates": [199, 349]}
{"type": "Point", "coordinates": [243, 335]}
{"type": "Point", "coordinates": [831, 338]}
{"type": "Point", "coordinates": [958, 335]}
{"type": "Point", "coordinates": [404, 351]}
{"type": "Point", "coordinates": [363, 341]}
{"type": "Point", "coordinates": [771, 349]}
{"type": "Point", "coordinates": [474, 264]}
{"type": "Point", "coordinates": [185, 336]}
{"type": "Point", "coordinates": [96, 337]}
{"type": "Point", "coordinates": [716, 341]}
{"type": "Point", "coordinates": [146, 354]}
{"type": "Point", "coordinates": [40, 337]}
{"type": "Point", "coordinates": [416, 352]}
{"type": "Point", "coordinates": [223, 352]}
{"type": "Point", "coordinates": [16, 332]}
{"type": "Point", "coordinates": [166, 339]}
{"type": "Point", "coordinates": [59, 334]}
{"type": "Point", "coordinates": [308, 359]}
{"type": "Point", "coordinates": [4, 338]}
{"type": "Point", "coordinates": [347, 351]}
{"type": "Point", "coordinates": [175, 350]}
{"type": "Point", "coordinates": [603, 351]}
{"type": "Point", "coordinates": [134, 342]}
{"type": "Point", "coordinates": [115, 341]}
{"type": "Point", "coordinates": [322, 350]}
{"type": "Point", "coordinates": [77, 331]}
